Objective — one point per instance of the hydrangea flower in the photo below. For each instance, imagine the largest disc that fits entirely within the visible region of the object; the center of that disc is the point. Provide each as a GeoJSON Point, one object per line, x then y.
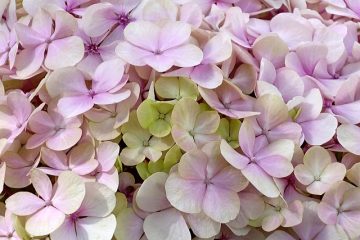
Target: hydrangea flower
{"type": "Point", "coordinates": [15, 115]}
{"type": "Point", "coordinates": [91, 219]}
{"type": "Point", "coordinates": [116, 14]}
{"type": "Point", "coordinates": [77, 98]}
{"type": "Point", "coordinates": [318, 172]}
{"type": "Point", "coordinates": [339, 208]}
{"type": "Point", "coordinates": [79, 160]}
{"type": "Point", "coordinates": [19, 165]}
{"type": "Point", "coordinates": [55, 46]}
{"type": "Point", "coordinates": [47, 212]}
{"type": "Point", "coordinates": [260, 165]}
{"type": "Point", "coordinates": [141, 144]}
{"type": "Point", "coordinates": [166, 46]}
{"type": "Point", "coordinates": [51, 128]}
{"type": "Point", "coordinates": [192, 126]}
{"type": "Point", "coordinates": [196, 186]}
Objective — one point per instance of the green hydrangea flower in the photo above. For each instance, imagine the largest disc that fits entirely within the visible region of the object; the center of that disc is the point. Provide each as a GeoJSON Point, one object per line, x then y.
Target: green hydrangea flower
{"type": "Point", "coordinates": [155, 116]}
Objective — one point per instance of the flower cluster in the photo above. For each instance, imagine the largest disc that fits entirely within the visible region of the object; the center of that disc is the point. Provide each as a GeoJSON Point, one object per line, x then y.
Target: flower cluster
{"type": "Point", "coordinates": [180, 119]}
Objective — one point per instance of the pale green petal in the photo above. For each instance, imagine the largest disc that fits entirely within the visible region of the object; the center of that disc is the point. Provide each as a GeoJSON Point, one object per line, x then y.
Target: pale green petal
{"type": "Point", "coordinates": [160, 128]}
{"type": "Point", "coordinates": [176, 88]}
{"type": "Point", "coordinates": [172, 157]}
{"type": "Point", "coordinates": [147, 113]}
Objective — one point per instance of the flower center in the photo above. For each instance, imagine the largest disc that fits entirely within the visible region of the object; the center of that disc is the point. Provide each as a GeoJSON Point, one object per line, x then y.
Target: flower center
{"type": "Point", "coordinates": [92, 93]}
{"type": "Point", "coordinates": [145, 143]}
{"type": "Point", "coordinates": [161, 116]}
{"type": "Point", "coordinates": [124, 19]}
{"type": "Point", "coordinates": [157, 52]}
{"type": "Point", "coordinates": [92, 49]}
{"type": "Point", "coordinates": [327, 103]}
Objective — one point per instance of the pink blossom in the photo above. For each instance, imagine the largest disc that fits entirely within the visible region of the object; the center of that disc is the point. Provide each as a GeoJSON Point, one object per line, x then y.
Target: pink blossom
{"type": "Point", "coordinates": [166, 46]}
{"type": "Point", "coordinates": [47, 212]}
{"type": "Point", "coordinates": [41, 37]}
{"type": "Point", "coordinates": [260, 165]}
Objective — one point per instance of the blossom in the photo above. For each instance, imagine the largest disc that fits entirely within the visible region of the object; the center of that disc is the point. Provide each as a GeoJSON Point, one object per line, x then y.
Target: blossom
{"type": "Point", "coordinates": [165, 46]}
{"type": "Point", "coordinates": [278, 213]}
{"type": "Point", "coordinates": [8, 50]}
{"type": "Point", "coordinates": [141, 144]}
{"type": "Point", "coordinates": [99, 217]}
{"type": "Point", "coordinates": [79, 160]}
{"type": "Point", "coordinates": [192, 126]}
{"type": "Point", "coordinates": [77, 98]}
{"type": "Point", "coordinates": [101, 17]}
{"type": "Point", "coordinates": [47, 212]}
{"type": "Point", "coordinates": [338, 207]}
{"type": "Point", "coordinates": [19, 165]}
{"type": "Point", "coordinates": [207, 74]}
{"type": "Point", "coordinates": [106, 172]}
{"type": "Point", "coordinates": [206, 182]}
{"type": "Point", "coordinates": [61, 47]}
{"type": "Point", "coordinates": [15, 115]}
{"type": "Point", "coordinates": [260, 164]}
{"type": "Point", "coordinates": [51, 128]}
{"type": "Point", "coordinates": [318, 173]}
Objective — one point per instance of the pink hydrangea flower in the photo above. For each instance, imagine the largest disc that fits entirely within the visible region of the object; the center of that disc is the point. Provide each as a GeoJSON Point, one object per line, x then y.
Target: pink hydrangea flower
{"type": "Point", "coordinates": [77, 97]}
{"type": "Point", "coordinates": [338, 207]}
{"type": "Point", "coordinates": [203, 179]}
{"type": "Point", "coordinates": [260, 165]}
{"type": "Point", "coordinates": [91, 217]}
{"type": "Point", "coordinates": [166, 45]}
{"type": "Point", "coordinates": [51, 128]}
{"type": "Point", "coordinates": [55, 47]}
{"type": "Point", "coordinates": [47, 212]}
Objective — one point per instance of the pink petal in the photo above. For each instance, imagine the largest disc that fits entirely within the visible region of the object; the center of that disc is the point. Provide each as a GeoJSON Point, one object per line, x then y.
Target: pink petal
{"type": "Point", "coordinates": [151, 195]}
{"type": "Point", "coordinates": [214, 54]}
{"type": "Point", "coordinates": [187, 55]}
{"type": "Point", "coordinates": [20, 106]}
{"type": "Point", "coordinates": [108, 75]}
{"type": "Point", "coordinates": [64, 139]}
{"type": "Point", "coordinates": [45, 221]}
{"type": "Point", "coordinates": [65, 231]}
{"type": "Point", "coordinates": [42, 184]}
{"type": "Point", "coordinates": [185, 195]}
{"type": "Point", "coordinates": [261, 180]}
{"type": "Point", "coordinates": [349, 137]}
{"type": "Point", "coordinates": [97, 19]}
{"type": "Point", "coordinates": [106, 154]}
{"type": "Point", "coordinates": [96, 227]}
{"type": "Point", "coordinates": [202, 225]}
{"type": "Point", "coordinates": [109, 179]}
{"type": "Point", "coordinates": [69, 193]}
{"type": "Point", "coordinates": [132, 54]}
{"type": "Point", "coordinates": [160, 225]}
{"type": "Point", "coordinates": [136, 32]}
{"type": "Point", "coordinates": [64, 52]}
{"type": "Point", "coordinates": [230, 178]}
{"type": "Point", "coordinates": [29, 61]}
{"type": "Point", "coordinates": [207, 75]}
{"type": "Point", "coordinates": [110, 98]}
{"type": "Point", "coordinates": [54, 159]}
{"type": "Point", "coordinates": [247, 138]}
{"type": "Point", "coordinates": [24, 203]}
{"type": "Point", "coordinates": [236, 159]}
{"type": "Point", "coordinates": [73, 106]}
{"type": "Point", "coordinates": [94, 194]}
{"type": "Point", "coordinates": [322, 134]}
{"type": "Point", "coordinates": [173, 34]}
{"type": "Point", "coordinates": [41, 122]}
{"type": "Point", "coordinates": [81, 159]}
{"type": "Point", "coordinates": [27, 36]}
{"type": "Point", "coordinates": [228, 203]}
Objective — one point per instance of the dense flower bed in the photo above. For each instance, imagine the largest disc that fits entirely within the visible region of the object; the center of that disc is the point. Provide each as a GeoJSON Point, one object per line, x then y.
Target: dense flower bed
{"type": "Point", "coordinates": [180, 119]}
